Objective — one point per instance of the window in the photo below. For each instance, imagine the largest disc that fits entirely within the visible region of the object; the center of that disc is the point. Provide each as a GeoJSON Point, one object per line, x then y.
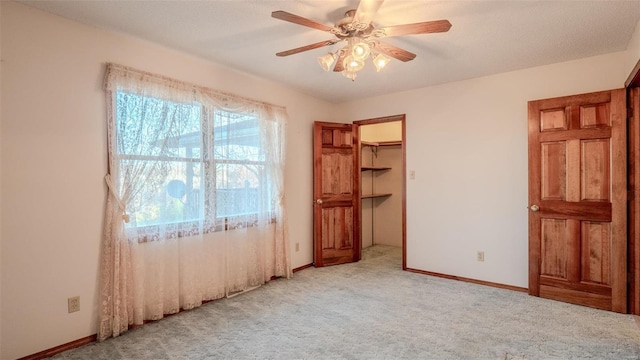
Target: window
{"type": "Point", "coordinates": [206, 166]}
{"type": "Point", "coordinates": [187, 164]}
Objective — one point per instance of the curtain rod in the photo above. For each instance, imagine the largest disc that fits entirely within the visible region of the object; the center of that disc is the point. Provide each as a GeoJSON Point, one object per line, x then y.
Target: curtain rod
{"type": "Point", "coordinates": [186, 84]}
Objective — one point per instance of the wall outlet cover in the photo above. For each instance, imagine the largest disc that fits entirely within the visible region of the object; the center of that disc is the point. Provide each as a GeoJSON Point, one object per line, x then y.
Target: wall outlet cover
{"type": "Point", "coordinates": [73, 304]}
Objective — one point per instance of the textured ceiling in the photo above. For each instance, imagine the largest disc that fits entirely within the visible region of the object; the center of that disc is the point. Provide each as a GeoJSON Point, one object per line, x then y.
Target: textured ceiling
{"type": "Point", "coordinates": [487, 37]}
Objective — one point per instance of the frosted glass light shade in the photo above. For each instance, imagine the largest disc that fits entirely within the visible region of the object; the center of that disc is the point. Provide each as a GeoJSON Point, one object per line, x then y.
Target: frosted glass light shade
{"type": "Point", "coordinates": [352, 64]}
{"type": "Point", "coordinates": [360, 51]}
{"type": "Point", "coordinates": [326, 61]}
{"type": "Point", "coordinates": [349, 74]}
{"type": "Point", "coordinates": [380, 61]}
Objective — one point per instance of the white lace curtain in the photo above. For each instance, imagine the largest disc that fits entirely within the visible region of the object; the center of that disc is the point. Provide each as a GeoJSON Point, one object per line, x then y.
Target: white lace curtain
{"type": "Point", "coordinates": [195, 209]}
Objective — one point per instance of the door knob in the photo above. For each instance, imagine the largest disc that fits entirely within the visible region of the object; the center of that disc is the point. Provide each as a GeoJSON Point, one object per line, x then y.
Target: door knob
{"type": "Point", "coordinates": [535, 208]}
{"type": "Point", "coordinates": [319, 201]}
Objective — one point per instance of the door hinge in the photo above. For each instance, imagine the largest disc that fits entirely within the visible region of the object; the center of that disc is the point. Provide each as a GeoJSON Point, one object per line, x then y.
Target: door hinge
{"type": "Point", "coordinates": [630, 277]}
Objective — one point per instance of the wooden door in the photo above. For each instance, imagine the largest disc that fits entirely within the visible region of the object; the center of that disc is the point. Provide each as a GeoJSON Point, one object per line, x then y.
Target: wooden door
{"type": "Point", "coordinates": [577, 198]}
{"type": "Point", "coordinates": [336, 191]}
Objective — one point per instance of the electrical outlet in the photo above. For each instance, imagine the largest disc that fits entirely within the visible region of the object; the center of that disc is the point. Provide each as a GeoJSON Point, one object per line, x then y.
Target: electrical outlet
{"type": "Point", "coordinates": [480, 255]}
{"type": "Point", "coordinates": [412, 175]}
{"type": "Point", "coordinates": [73, 304]}
{"type": "Point", "coordinates": [297, 247]}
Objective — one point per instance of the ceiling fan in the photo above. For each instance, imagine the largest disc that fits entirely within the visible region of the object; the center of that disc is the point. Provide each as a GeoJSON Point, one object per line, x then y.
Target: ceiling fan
{"type": "Point", "coordinates": [362, 38]}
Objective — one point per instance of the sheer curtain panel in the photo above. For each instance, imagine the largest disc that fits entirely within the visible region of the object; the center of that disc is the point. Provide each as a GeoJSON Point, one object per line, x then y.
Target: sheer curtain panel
{"type": "Point", "coordinates": [195, 207]}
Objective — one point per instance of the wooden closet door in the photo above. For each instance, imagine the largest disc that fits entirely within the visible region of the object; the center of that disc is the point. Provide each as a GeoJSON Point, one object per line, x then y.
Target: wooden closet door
{"type": "Point", "coordinates": [336, 189]}
{"type": "Point", "coordinates": [577, 198]}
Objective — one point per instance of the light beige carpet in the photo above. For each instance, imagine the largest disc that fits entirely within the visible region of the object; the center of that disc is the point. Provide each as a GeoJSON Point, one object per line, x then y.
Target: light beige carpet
{"type": "Point", "coordinates": [374, 310]}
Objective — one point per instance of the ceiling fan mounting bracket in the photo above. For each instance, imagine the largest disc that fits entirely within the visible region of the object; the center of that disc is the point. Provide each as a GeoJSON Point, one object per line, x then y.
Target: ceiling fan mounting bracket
{"type": "Point", "coordinates": [347, 27]}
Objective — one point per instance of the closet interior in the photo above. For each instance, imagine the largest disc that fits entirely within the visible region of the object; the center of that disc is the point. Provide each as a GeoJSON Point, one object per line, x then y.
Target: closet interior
{"type": "Point", "coordinates": [381, 166]}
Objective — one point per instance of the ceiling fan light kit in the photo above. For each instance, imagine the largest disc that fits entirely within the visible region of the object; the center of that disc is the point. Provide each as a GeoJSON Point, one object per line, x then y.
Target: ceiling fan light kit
{"type": "Point", "coordinates": [361, 37]}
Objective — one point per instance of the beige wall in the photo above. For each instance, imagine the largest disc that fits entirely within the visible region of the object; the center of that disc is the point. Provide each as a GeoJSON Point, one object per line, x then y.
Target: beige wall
{"type": "Point", "coordinates": [366, 187]}
{"type": "Point", "coordinates": [467, 143]}
{"type": "Point", "coordinates": [387, 211]}
{"type": "Point", "coordinates": [389, 131]}
{"type": "Point", "coordinates": [633, 50]}
{"type": "Point", "coordinates": [53, 152]}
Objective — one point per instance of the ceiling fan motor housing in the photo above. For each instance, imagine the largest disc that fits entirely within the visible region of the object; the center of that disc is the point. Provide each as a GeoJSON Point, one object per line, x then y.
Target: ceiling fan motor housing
{"type": "Point", "coordinates": [350, 28]}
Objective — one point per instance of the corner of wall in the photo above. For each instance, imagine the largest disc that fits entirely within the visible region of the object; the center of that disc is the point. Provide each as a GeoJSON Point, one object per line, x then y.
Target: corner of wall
{"type": "Point", "coordinates": [633, 48]}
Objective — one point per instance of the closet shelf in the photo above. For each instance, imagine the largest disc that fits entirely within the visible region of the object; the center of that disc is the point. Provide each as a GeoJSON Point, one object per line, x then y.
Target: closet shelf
{"type": "Point", "coordinates": [370, 196]}
{"type": "Point", "coordinates": [374, 168]}
{"type": "Point", "coordinates": [380, 143]}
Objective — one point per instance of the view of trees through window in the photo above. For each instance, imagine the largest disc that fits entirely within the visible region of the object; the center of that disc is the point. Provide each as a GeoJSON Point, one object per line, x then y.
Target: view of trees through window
{"type": "Point", "coordinates": [206, 165]}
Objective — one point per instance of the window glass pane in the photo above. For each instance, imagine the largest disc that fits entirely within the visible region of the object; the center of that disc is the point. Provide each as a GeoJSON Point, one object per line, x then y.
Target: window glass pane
{"type": "Point", "coordinates": [236, 136]}
{"type": "Point", "coordinates": [173, 195]}
{"type": "Point", "coordinates": [237, 189]}
{"type": "Point", "coordinates": [155, 127]}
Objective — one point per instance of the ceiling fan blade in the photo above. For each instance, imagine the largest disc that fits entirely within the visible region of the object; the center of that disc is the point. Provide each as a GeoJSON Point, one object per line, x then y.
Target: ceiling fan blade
{"type": "Point", "coordinates": [283, 15]}
{"type": "Point", "coordinates": [339, 62]}
{"type": "Point", "coordinates": [367, 9]}
{"type": "Point", "coordinates": [426, 27]}
{"type": "Point", "coordinates": [394, 52]}
{"type": "Point", "coordinates": [308, 47]}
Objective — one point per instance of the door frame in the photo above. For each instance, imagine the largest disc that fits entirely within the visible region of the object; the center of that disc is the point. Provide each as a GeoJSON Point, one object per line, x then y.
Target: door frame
{"type": "Point", "coordinates": [633, 173]}
{"type": "Point", "coordinates": [402, 119]}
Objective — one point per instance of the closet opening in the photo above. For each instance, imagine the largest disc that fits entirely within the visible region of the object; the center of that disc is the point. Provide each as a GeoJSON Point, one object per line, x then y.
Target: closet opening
{"type": "Point", "coordinates": [383, 186]}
